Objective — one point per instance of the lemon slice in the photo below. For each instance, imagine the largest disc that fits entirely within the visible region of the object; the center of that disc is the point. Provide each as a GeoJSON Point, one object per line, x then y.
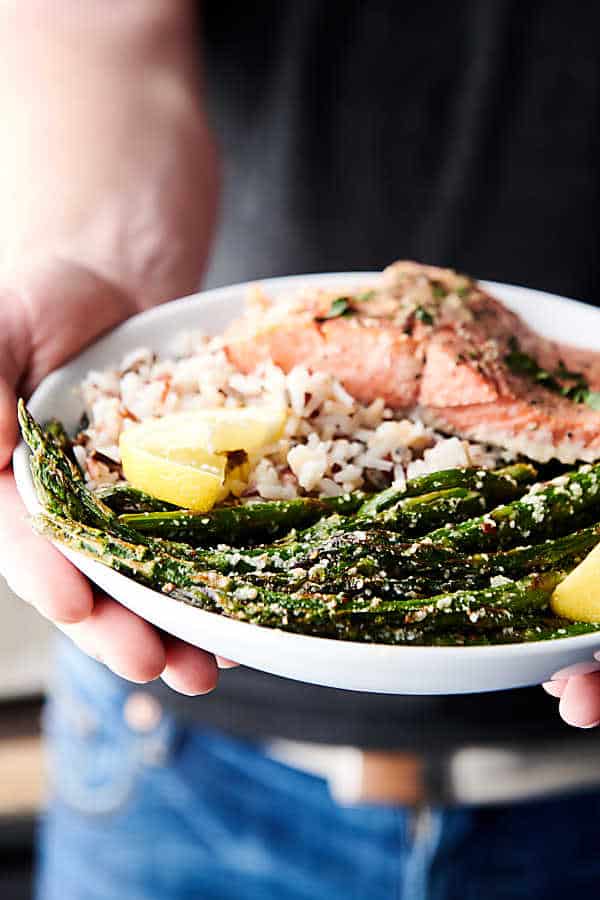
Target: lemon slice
{"type": "Point", "coordinates": [217, 430]}
{"type": "Point", "coordinates": [191, 486]}
{"type": "Point", "coordinates": [187, 458]}
{"type": "Point", "coordinates": [578, 596]}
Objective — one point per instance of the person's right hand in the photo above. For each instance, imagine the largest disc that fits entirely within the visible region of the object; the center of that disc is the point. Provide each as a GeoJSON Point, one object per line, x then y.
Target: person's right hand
{"type": "Point", "coordinates": [50, 315]}
{"type": "Point", "coordinates": [108, 178]}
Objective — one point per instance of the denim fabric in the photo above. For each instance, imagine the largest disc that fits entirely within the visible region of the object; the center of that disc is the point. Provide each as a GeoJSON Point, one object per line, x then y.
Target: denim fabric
{"type": "Point", "coordinates": [183, 813]}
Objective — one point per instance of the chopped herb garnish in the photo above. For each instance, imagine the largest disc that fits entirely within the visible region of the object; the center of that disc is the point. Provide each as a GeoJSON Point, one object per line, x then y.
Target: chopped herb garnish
{"type": "Point", "coordinates": [578, 391]}
{"type": "Point", "coordinates": [563, 372]}
{"type": "Point", "coordinates": [438, 291]}
{"type": "Point", "coordinates": [462, 291]}
{"type": "Point", "coordinates": [366, 296]}
{"type": "Point", "coordinates": [593, 400]}
{"type": "Point", "coordinates": [521, 363]}
{"type": "Point", "coordinates": [339, 307]}
{"type": "Point", "coordinates": [235, 458]}
{"type": "Point", "coordinates": [423, 315]}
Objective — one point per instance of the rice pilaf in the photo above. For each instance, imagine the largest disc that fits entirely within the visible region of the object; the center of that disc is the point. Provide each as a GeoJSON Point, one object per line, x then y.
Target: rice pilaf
{"type": "Point", "coordinates": [332, 443]}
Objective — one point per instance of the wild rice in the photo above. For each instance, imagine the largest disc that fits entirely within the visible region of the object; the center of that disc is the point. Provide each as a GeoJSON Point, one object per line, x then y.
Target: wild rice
{"type": "Point", "coordinates": [331, 444]}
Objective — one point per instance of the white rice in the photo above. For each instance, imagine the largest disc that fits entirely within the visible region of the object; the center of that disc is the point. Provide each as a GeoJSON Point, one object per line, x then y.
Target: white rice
{"type": "Point", "coordinates": [331, 444]}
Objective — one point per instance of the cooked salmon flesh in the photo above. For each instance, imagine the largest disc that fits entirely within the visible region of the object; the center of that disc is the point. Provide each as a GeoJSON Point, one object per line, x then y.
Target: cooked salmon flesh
{"type": "Point", "coordinates": [429, 339]}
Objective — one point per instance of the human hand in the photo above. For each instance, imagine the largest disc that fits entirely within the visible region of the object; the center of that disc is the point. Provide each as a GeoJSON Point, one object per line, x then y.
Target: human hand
{"type": "Point", "coordinates": [54, 312]}
{"type": "Point", "coordinates": [579, 697]}
{"type": "Point", "coordinates": [107, 199]}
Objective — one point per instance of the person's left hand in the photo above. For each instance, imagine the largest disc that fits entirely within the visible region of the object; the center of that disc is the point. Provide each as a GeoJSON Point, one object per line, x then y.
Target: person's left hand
{"type": "Point", "coordinates": [579, 697]}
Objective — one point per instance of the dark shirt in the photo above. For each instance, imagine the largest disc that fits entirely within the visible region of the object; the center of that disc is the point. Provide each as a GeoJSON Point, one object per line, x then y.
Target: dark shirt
{"type": "Point", "coordinates": [356, 133]}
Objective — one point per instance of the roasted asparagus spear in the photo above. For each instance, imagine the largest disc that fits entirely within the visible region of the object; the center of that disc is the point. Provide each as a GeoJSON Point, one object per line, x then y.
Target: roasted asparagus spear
{"type": "Point", "coordinates": [496, 486]}
{"type": "Point", "coordinates": [242, 523]}
{"type": "Point", "coordinates": [553, 509]}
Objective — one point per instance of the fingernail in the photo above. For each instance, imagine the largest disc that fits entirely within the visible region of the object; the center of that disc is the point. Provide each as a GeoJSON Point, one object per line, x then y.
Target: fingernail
{"type": "Point", "coordinates": [578, 725]}
{"type": "Point", "coordinates": [181, 690]}
{"type": "Point", "coordinates": [554, 688]}
{"type": "Point", "coordinates": [223, 663]}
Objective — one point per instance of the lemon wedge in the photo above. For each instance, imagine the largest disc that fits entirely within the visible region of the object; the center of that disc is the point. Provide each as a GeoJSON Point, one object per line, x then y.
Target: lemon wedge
{"type": "Point", "coordinates": [192, 459]}
{"type": "Point", "coordinates": [196, 485]}
{"type": "Point", "coordinates": [578, 596]}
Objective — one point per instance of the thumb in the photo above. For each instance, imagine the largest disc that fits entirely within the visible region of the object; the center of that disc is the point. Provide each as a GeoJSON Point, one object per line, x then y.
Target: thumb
{"type": "Point", "coordinates": [48, 312]}
{"type": "Point", "coordinates": [8, 422]}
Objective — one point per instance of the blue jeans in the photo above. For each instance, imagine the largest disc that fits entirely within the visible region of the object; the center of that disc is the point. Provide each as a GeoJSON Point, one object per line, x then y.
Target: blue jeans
{"type": "Point", "coordinates": [181, 813]}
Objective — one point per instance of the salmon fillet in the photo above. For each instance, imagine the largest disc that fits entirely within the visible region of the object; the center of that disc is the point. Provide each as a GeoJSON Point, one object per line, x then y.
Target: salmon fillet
{"type": "Point", "coordinates": [432, 339]}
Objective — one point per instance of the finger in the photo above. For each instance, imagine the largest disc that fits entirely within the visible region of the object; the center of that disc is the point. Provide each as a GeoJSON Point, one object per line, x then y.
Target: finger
{"type": "Point", "coordinates": [33, 568]}
{"type": "Point", "coordinates": [580, 701]}
{"type": "Point", "coordinates": [8, 422]}
{"type": "Point", "coordinates": [224, 663]}
{"type": "Point", "coordinates": [128, 645]}
{"type": "Point", "coordinates": [189, 670]}
{"type": "Point", "coordinates": [555, 688]}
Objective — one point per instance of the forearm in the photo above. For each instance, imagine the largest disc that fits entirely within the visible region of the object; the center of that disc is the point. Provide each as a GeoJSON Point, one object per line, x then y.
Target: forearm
{"type": "Point", "coordinates": [107, 157]}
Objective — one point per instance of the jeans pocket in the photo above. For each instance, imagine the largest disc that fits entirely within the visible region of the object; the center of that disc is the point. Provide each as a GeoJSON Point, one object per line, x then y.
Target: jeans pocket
{"type": "Point", "coordinates": [94, 760]}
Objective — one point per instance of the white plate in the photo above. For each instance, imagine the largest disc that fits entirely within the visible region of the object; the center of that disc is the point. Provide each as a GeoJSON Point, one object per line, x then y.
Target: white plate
{"type": "Point", "coordinates": [353, 666]}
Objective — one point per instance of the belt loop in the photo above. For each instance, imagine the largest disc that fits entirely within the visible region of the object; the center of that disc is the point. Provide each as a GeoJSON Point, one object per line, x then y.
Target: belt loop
{"type": "Point", "coordinates": [346, 779]}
